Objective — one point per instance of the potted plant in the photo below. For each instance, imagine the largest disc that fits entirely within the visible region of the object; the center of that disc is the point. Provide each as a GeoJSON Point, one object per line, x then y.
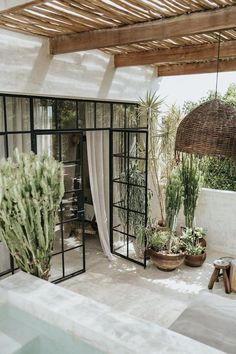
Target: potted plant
{"type": "Point", "coordinates": [195, 246]}
{"type": "Point", "coordinates": [165, 247]}
{"type": "Point", "coordinates": [136, 196]}
{"type": "Point", "coordinates": [31, 189]}
{"type": "Point", "coordinates": [162, 129]}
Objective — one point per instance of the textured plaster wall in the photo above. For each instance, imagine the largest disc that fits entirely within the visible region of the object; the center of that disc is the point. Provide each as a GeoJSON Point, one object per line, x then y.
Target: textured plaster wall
{"type": "Point", "coordinates": [27, 67]}
{"type": "Point", "coordinates": [6, 4]}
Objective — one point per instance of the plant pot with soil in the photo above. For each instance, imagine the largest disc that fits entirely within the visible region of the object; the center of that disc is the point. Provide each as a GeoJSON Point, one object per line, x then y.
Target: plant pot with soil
{"type": "Point", "coordinates": [195, 245]}
{"type": "Point", "coordinates": [165, 251]}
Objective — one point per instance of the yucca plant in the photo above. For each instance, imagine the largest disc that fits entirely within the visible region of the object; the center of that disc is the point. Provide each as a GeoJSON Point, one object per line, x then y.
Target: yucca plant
{"type": "Point", "coordinates": [162, 129]}
{"type": "Point", "coordinates": [192, 179]}
{"type": "Point", "coordinates": [31, 189]}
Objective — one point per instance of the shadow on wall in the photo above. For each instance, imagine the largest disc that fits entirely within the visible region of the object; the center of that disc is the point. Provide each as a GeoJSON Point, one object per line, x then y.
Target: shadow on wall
{"type": "Point", "coordinates": [27, 67]}
{"type": "Point", "coordinates": [40, 67]}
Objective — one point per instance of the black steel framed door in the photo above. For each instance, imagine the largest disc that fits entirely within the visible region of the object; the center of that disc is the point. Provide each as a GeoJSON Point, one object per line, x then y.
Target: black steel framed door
{"type": "Point", "coordinates": [69, 249]}
{"type": "Point", "coordinates": [128, 193]}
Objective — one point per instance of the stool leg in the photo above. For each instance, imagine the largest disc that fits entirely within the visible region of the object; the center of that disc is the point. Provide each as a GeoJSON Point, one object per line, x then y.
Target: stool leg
{"type": "Point", "coordinates": [214, 277]}
{"type": "Point", "coordinates": [226, 281]}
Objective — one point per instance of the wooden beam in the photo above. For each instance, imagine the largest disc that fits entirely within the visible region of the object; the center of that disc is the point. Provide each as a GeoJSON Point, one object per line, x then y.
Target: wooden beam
{"type": "Point", "coordinates": [196, 68]}
{"type": "Point", "coordinates": [183, 25]}
{"type": "Point", "coordinates": [176, 55]}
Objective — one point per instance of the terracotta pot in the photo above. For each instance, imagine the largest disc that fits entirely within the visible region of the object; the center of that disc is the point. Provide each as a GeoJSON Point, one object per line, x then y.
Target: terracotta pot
{"type": "Point", "coordinates": [195, 261]}
{"type": "Point", "coordinates": [166, 262]}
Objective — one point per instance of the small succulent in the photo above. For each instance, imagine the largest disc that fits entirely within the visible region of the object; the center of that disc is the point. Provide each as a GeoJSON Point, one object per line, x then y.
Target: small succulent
{"type": "Point", "coordinates": [191, 240]}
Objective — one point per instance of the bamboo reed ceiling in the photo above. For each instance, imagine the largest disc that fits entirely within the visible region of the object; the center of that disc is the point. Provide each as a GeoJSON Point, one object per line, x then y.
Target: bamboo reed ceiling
{"type": "Point", "coordinates": [59, 18]}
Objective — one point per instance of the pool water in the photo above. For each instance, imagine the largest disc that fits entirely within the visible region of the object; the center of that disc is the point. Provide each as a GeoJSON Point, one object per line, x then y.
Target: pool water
{"type": "Point", "coordinates": [34, 336]}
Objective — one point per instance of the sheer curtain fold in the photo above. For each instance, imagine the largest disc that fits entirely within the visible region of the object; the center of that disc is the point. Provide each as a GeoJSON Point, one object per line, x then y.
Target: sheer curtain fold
{"type": "Point", "coordinates": [98, 163]}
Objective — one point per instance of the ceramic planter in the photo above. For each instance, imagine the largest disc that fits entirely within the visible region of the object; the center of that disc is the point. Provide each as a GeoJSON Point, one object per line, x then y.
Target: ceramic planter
{"type": "Point", "coordinates": [166, 262]}
{"type": "Point", "coordinates": [195, 260]}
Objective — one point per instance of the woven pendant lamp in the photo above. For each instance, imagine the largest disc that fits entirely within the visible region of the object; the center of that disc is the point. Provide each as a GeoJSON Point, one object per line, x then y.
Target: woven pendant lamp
{"type": "Point", "coordinates": [210, 129]}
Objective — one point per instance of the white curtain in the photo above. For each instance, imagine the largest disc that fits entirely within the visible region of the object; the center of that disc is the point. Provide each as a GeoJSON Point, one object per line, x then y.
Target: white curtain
{"type": "Point", "coordinates": [18, 119]}
{"type": "Point", "coordinates": [43, 120]}
{"type": "Point", "coordinates": [98, 165]}
{"type": "Point", "coordinates": [98, 162]}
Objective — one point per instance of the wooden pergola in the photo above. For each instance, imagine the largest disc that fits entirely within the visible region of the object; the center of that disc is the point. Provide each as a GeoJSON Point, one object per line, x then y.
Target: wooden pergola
{"type": "Point", "coordinates": [178, 36]}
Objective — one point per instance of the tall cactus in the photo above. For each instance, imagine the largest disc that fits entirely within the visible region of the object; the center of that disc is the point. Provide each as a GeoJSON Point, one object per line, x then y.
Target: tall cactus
{"type": "Point", "coordinates": [173, 201]}
{"type": "Point", "coordinates": [192, 179]}
{"type": "Point", "coordinates": [31, 189]}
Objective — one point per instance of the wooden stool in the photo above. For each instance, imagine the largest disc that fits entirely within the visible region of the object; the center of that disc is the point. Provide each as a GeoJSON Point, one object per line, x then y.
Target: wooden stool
{"type": "Point", "coordinates": [219, 265]}
{"type": "Point", "coordinates": [233, 275]}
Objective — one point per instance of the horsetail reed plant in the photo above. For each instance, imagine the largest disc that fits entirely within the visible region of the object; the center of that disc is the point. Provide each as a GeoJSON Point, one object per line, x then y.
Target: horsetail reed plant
{"type": "Point", "coordinates": [192, 180]}
{"type": "Point", "coordinates": [31, 189]}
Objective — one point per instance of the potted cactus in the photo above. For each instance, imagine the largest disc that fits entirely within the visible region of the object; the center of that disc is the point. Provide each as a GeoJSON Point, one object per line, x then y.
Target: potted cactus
{"type": "Point", "coordinates": [31, 189]}
{"type": "Point", "coordinates": [165, 246]}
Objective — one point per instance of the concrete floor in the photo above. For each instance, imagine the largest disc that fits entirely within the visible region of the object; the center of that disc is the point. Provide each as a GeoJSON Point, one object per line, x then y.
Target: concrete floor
{"type": "Point", "coordinates": [148, 294]}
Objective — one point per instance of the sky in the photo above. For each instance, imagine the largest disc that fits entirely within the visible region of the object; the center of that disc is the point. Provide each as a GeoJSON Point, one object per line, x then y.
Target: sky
{"type": "Point", "coordinates": [177, 89]}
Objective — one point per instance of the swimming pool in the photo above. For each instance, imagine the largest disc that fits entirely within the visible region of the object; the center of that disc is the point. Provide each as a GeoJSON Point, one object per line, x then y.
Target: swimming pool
{"type": "Point", "coordinates": [25, 334]}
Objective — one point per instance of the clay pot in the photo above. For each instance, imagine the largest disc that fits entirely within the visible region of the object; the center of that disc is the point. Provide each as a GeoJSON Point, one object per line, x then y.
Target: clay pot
{"type": "Point", "coordinates": [195, 261]}
{"type": "Point", "coordinates": [166, 262]}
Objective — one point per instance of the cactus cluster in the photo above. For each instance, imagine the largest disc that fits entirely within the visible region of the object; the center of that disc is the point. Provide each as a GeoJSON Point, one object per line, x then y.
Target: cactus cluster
{"type": "Point", "coordinates": [192, 180]}
{"type": "Point", "coordinates": [31, 189]}
{"type": "Point", "coordinates": [173, 201]}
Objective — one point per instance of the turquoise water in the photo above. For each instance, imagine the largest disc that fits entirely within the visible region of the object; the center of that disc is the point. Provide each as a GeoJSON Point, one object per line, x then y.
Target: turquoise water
{"type": "Point", "coordinates": [37, 336]}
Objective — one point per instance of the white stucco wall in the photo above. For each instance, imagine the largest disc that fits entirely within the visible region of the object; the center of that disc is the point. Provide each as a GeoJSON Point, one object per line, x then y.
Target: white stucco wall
{"type": "Point", "coordinates": [27, 67]}
{"type": "Point", "coordinates": [6, 4]}
{"type": "Point", "coordinates": [216, 212]}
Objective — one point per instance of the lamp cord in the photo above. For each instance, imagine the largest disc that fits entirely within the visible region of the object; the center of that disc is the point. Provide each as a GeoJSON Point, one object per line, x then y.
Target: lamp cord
{"type": "Point", "coordinates": [218, 65]}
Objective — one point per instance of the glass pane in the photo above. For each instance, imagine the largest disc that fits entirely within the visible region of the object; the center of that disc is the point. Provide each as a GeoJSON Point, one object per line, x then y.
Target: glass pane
{"type": "Point", "coordinates": [135, 250]}
{"type": "Point", "coordinates": [120, 243]}
{"type": "Point", "coordinates": [56, 267]}
{"type": "Point", "coordinates": [71, 147]}
{"type": "Point", "coordinates": [71, 204]}
{"type": "Point", "coordinates": [118, 115]}
{"type": "Point", "coordinates": [120, 195]}
{"type": "Point", "coordinates": [57, 240]}
{"type": "Point", "coordinates": [86, 114]}
{"type": "Point", "coordinates": [73, 261]}
{"type": "Point", "coordinates": [103, 115]}
{"type": "Point", "coordinates": [2, 147]}
{"type": "Point", "coordinates": [73, 234]}
{"type": "Point", "coordinates": [137, 145]}
{"type": "Point", "coordinates": [119, 143]}
{"type": "Point", "coordinates": [1, 115]}
{"type": "Point", "coordinates": [20, 141]}
{"type": "Point", "coordinates": [66, 113]}
{"type": "Point", "coordinates": [72, 177]}
{"type": "Point", "coordinates": [18, 114]}
{"type": "Point", "coordinates": [44, 113]}
{"type": "Point", "coordinates": [48, 144]}
{"type": "Point", "coordinates": [120, 220]}
{"type": "Point", "coordinates": [120, 172]}
{"type": "Point", "coordinates": [132, 117]}
{"type": "Point", "coordinates": [137, 173]}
